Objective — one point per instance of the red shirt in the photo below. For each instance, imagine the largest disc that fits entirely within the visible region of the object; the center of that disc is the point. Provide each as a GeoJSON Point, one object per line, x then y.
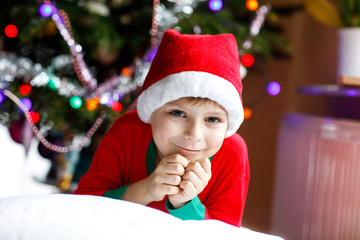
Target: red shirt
{"type": "Point", "coordinates": [127, 155]}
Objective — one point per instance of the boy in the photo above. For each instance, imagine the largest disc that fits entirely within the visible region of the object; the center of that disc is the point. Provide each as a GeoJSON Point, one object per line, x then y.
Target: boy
{"type": "Point", "coordinates": [179, 152]}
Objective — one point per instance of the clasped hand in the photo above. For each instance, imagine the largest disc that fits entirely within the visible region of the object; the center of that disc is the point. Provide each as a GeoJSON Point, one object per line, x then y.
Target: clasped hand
{"type": "Point", "coordinates": [179, 178]}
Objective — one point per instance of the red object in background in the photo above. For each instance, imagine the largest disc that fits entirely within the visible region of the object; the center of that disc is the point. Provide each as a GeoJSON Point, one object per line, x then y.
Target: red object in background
{"type": "Point", "coordinates": [25, 89]}
{"type": "Point", "coordinates": [35, 116]}
{"type": "Point", "coordinates": [116, 106]}
{"type": "Point", "coordinates": [247, 60]}
{"type": "Point", "coordinates": [11, 31]}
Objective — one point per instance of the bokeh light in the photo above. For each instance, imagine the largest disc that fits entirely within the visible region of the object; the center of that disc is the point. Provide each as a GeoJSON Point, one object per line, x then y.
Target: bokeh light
{"type": "Point", "coordinates": [116, 106]}
{"type": "Point", "coordinates": [92, 104]}
{"type": "Point", "coordinates": [2, 97]}
{"type": "Point", "coordinates": [75, 102]}
{"type": "Point", "coordinates": [247, 60]}
{"type": "Point", "coordinates": [25, 89]}
{"type": "Point", "coordinates": [273, 88]}
{"type": "Point", "coordinates": [45, 10]}
{"type": "Point", "coordinates": [215, 5]}
{"type": "Point", "coordinates": [11, 31]}
{"type": "Point", "coordinates": [34, 117]}
{"type": "Point", "coordinates": [247, 113]}
{"type": "Point", "coordinates": [27, 103]}
{"type": "Point", "coordinates": [252, 5]}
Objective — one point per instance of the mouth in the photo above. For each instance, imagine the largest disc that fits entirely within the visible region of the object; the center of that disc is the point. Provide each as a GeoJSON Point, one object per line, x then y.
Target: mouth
{"type": "Point", "coordinates": [188, 150]}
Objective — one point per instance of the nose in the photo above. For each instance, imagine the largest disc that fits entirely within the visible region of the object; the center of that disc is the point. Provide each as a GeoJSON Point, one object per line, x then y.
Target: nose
{"type": "Point", "coordinates": [193, 131]}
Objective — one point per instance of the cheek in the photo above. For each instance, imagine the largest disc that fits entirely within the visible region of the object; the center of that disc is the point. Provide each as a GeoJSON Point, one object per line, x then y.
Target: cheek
{"type": "Point", "coordinates": [165, 129]}
{"type": "Point", "coordinates": [215, 141]}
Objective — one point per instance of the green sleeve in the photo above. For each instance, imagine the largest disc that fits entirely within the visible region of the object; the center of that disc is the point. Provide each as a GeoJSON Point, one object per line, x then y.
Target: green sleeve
{"type": "Point", "coordinates": [193, 210]}
{"type": "Point", "coordinates": [116, 193]}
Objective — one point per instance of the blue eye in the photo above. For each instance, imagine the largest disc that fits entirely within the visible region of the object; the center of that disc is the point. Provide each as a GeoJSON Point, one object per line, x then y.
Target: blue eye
{"type": "Point", "coordinates": [212, 120]}
{"type": "Point", "coordinates": [178, 113]}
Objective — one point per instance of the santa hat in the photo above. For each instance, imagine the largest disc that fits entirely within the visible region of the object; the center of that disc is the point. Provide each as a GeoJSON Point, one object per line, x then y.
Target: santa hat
{"type": "Point", "coordinates": [205, 66]}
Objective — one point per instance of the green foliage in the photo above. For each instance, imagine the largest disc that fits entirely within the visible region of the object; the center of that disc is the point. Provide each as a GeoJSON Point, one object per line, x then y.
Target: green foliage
{"type": "Point", "coordinates": [341, 13]}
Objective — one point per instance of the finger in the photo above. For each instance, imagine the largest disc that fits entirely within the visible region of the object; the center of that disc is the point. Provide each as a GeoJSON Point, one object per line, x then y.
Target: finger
{"type": "Point", "coordinates": [197, 168]}
{"type": "Point", "coordinates": [206, 164]}
{"type": "Point", "coordinates": [177, 158]}
{"type": "Point", "coordinates": [188, 188]}
{"type": "Point", "coordinates": [164, 178]}
{"type": "Point", "coordinates": [193, 178]}
{"type": "Point", "coordinates": [169, 189]}
{"type": "Point", "coordinates": [171, 168]}
{"type": "Point", "coordinates": [171, 179]}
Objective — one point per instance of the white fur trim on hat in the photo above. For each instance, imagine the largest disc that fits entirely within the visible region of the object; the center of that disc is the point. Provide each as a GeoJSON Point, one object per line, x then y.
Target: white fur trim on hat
{"type": "Point", "coordinates": [193, 84]}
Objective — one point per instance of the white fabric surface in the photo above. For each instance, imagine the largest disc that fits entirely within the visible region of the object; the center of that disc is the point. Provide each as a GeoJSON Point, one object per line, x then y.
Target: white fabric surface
{"type": "Point", "coordinates": [65, 216]}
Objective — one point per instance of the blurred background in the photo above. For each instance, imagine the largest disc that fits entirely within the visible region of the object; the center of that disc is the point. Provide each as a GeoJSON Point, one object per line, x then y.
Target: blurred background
{"type": "Point", "coordinates": [79, 65]}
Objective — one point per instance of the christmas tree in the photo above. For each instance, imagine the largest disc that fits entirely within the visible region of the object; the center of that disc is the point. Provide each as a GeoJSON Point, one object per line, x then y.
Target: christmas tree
{"type": "Point", "coordinates": [68, 69]}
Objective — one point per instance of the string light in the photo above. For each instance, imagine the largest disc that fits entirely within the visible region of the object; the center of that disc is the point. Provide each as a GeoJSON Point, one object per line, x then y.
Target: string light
{"type": "Point", "coordinates": [75, 102]}
{"type": "Point", "coordinates": [2, 97]}
{"type": "Point", "coordinates": [215, 5]}
{"type": "Point", "coordinates": [116, 106]}
{"type": "Point", "coordinates": [27, 103]}
{"type": "Point", "coordinates": [34, 117]}
{"type": "Point", "coordinates": [25, 89]}
{"type": "Point", "coordinates": [11, 31]}
{"type": "Point", "coordinates": [247, 113]}
{"type": "Point", "coordinates": [273, 88]}
{"type": "Point", "coordinates": [92, 104]}
{"type": "Point", "coordinates": [45, 10]}
{"type": "Point", "coordinates": [247, 60]}
{"type": "Point", "coordinates": [52, 85]}
{"type": "Point", "coordinates": [85, 139]}
{"type": "Point", "coordinates": [252, 5]}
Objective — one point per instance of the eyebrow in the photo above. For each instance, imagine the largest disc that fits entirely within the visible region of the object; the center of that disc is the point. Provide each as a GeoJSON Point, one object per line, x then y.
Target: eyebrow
{"type": "Point", "coordinates": [216, 113]}
{"type": "Point", "coordinates": [220, 112]}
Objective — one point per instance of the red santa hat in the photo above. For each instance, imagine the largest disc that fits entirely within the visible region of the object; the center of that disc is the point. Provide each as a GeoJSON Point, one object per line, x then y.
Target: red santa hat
{"type": "Point", "coordinates": [205, 66]}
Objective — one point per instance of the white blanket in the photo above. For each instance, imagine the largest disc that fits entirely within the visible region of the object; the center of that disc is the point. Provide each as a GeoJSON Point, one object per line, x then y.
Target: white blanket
{"type": "Point", "coordinates": [63, 217]}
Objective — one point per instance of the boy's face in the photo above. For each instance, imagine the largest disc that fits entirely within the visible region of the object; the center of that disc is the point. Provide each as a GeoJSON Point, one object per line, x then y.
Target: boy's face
{"type": "Point", "coordinates": [194, 130]}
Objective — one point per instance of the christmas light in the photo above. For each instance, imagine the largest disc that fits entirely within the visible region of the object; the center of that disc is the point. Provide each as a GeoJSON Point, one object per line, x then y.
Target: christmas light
{"type": "Point", "coordinates": [45, 10]}
{"type": "Point", "coordinates": [273, 88]}
{"type": "Point", "coordinates": [215, 5]}
{"type": "Point", "coordinates": [75, 102]}
{"type": "Point", "coordinates": [74, 146]}
{"type": "Point", "coordinates": [247, 113]}
{"type": "Point", "coordinates": [92, 104]}
{"type": "Point", "coordinates": [11, 31]}
{"type": "Point", "coordinates": [34, 117]}
{"type": "Point", "coordinates": [27, 103]}
{"type": "Point", "coordinates": [106, 99]}
{"type": "Point", "coordinates": [25, 89]}
{"type": "Point", "coordinates": [247, 60]}
{"type": "Point", "coordinates": [1, 97]}
{"type": "Point", "coordinates": [126, 72]}
{"type": "Point", "coordinates": [51, 84]}
{"type": "Point", "coordinates": [116, 106]}
{"type": "Point", "coordinates": [243, 71]}
{"type": "Point", "coordinates": [252, 5]}
{"type": "Point", "coordinates": [351, 93]}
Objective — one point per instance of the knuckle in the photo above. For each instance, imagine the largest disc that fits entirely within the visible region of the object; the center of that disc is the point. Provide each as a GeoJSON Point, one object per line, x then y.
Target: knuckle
{"type": "Point", "coordinates": [188, 175]}
{"type": "Point", "coordinates": [179, 169]}
{"type": "Point", "coordinates": [177, 180]}
{"type": "Point", "coordinates": [186, 184]}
